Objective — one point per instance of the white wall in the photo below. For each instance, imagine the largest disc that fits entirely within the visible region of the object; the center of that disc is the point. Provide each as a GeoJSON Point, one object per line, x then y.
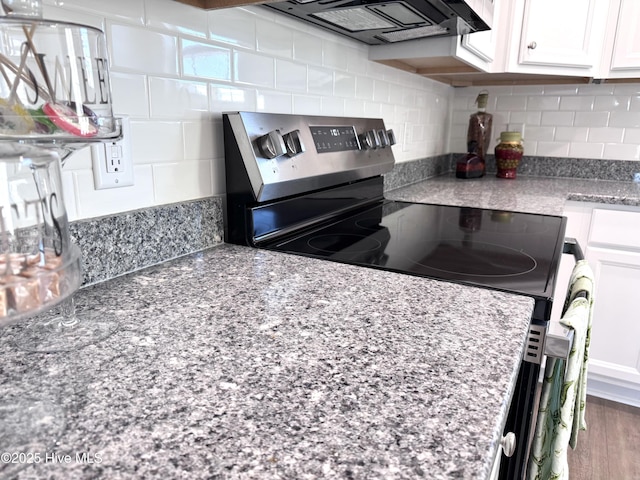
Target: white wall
{"type": "Point", "coordinates": [575, 121]}
{"type": "Point", "coordinates": [175, 68]}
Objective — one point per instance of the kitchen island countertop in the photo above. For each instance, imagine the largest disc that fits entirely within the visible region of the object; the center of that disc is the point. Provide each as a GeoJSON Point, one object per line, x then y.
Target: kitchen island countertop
{"type": "Point", "coordinates": [242, 363]}
{"type": "Point", "coordinates": [546, 195]}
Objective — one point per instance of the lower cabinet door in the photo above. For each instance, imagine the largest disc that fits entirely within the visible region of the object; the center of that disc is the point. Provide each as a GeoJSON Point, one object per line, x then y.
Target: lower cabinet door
{"type": "Point", "coordinates": [615, 336]}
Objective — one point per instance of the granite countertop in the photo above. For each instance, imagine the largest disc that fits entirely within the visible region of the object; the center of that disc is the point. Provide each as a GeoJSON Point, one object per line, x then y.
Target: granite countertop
{"type": "Point", "coordinates": [243, 363]}
{"type": "Point", "coordinates": [546, 195]}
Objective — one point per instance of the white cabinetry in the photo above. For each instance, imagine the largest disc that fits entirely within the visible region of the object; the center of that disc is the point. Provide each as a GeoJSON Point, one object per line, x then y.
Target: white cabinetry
{"type": "Point", "coordinates": [621, 54]}
{"type": "Point", "coordinates": [552, 37]}
{"type": "Point", "coordinates": [611, 239]}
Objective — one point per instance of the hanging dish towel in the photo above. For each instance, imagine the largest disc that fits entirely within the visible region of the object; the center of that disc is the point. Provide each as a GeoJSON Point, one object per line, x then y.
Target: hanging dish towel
{"type": "Point", "coordinates": [562, 403]}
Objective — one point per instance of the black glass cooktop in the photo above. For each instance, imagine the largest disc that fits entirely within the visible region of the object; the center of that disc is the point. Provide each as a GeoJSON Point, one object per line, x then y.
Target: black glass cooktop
{"type": "Point", "coordinates": [509, 251]}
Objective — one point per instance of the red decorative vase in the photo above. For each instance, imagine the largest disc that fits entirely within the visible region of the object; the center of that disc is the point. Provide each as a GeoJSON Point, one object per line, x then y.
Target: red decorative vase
{"type": "Point", "coordinates": [508, 154]}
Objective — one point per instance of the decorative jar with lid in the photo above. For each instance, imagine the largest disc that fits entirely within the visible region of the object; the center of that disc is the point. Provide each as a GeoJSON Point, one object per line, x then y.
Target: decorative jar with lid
{"type": "Point", "coordinates": [508, 154]}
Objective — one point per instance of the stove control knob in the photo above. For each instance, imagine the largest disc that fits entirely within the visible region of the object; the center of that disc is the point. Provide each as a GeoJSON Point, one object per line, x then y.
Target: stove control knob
{"type": "Point", "coordinates": [272, 144]}
{"type": "Point", "coordinates": [392, 137]}
{"type": "Point", "coordinates": [370, 140]}
{"type": "Point", "coordinates": [384, 139]}
{"type": "Point", "coordinates": [293, 143]}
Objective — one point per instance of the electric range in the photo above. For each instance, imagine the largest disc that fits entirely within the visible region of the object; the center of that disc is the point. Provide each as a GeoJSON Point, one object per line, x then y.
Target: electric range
{"type": "Point", "coordinates": [313, 186]}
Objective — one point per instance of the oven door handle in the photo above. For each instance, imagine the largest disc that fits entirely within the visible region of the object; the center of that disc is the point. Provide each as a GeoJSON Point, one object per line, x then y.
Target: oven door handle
{"type": "Point", "coordinates": [572, 246]}
{"type": "Point", "coordinates": [558, 339]}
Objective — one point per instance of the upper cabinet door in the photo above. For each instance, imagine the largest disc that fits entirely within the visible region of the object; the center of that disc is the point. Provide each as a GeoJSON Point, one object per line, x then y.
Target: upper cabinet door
{"type": "Point", "coordinates": [564, 35]}
{"type": "Point", "coordinates": [625, 60]}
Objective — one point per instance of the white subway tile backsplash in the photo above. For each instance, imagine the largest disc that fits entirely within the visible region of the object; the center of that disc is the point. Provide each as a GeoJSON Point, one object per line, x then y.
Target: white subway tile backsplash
{"type": "Point", "coordinates": [577, 103]}
{"type": "Point", "coordinates": [130, 94]}
{"type": "Point", "coordinates": [527, 118]}
{"type": "Point", "coordinates": [543, 102]}
{"type": "Point", "coordinates": [354, 107]}
{"type": "Point", "coordinates": [631, 135]}
{"type": "Point", "coordinates": [226, 98]}
{"type": "Point", "coordinates": [611, 103]}
{"type": "Point", "coordinates": [332, 106]}
{"type": "Point", "coordinates": [202, 140]}
{"type": "Point", "coordinates": [552, 149]}
{"type": "Point", "coordinates": [177, 182]}
{"type": "Point", "coordinates": [540, 134]}
{"type": "Point", "coordinates": [596, 89]}
{"type": "Point", "coordinates": [307, 48]}
{"type": "Point", "coordinates": [69, 194]}
{"type": "Point", "coordinates": [78, 160]}
{"type": "Point", "coordinates": [591, 119]}
{"type": "Point", "coordinates": [171, 16]}
{"type": "Point", "coordinates": [364, 88]}
{"type": "Point", "coordinates": [274, 102]}
{"type": "Point", "coordinates": [618, 150]}
{"type": "Point", "coordinates": [605, 135]}
{"type": "Point", "coordinates": [344, 85]}
{"type": "Point", "coordinates": [512, 103]}
{"type": "Point", "coordinates": [307, 104]}
{"type": "Point", "coordinates": [586, 150]}
{"type": "Point", "coordinates": [138, 50]}
{"type": "Point", "coordinates": [156, 141]}
{"type": "Point", "coordinates": [274, 41]}
{"type": "Point", "coordinates": [357, 60]}
{"type": "Point", "coordinates": [631, 89]}
{"type": "Point", "coordinates": [234, 26]}
{"type": "Point", "coordinates": [625, 119]}
{"type": "Point", "coordinates": [291, 76]}
{"type": "Point", "coordinates": [205, 61]}
{"type": "Point", "coordinates": [131, 11]}
{"type": "Point", "coordinates": [527, 90]}
{"type": "Point", "coordinates": [320, 80]}
{"type": "Point", "coordinates": [562, 90]}
{"type": "Point", "coordinates": [588, 121]}
{"type": "Point", "coordinates": [254, 69]}
{"type": "Point", "coordinates": [557, 118]}
{"type": "Point", "coordinates": [372, 109]}
{"type": "Point", "coordinates": [381, 91]}
{"type": "Point", "coordinates": [80, 17]}
{"type": "Point", "coordinates": [333, 55]}
{"type": "Point", "coordinates": [170, 98]}
{"type": "Point", "coordinates": [571, 134]}
{"type": "Point", "coordinates": [96, 203]}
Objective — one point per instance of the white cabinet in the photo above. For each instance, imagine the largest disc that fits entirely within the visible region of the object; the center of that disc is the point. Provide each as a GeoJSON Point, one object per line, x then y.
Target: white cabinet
{"type": "Point", "coordinates": [552, 37]}
{"type": "Point", "coordinates": [615, 344]}
{"type": "Point", "coordinates": [479, 49]}
{"type": "Point", "coordinates": [610, 236]}
{"type": "Point", "coordinates": [621, 54]}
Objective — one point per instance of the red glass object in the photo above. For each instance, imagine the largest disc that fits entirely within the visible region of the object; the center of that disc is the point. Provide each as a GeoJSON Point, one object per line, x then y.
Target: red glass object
{"type": "Point", "coordinates": [508, 154]}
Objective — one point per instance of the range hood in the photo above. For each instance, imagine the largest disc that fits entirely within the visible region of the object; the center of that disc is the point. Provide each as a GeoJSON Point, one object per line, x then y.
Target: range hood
{"type": "Point", "coordinates": [377, 22]}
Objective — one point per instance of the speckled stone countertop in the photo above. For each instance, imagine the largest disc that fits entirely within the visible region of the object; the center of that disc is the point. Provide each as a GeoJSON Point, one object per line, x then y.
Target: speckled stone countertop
{"type": "Point", "coordinates": [243, 363]}
{"type": "Point", "coordinates": [545, 195]}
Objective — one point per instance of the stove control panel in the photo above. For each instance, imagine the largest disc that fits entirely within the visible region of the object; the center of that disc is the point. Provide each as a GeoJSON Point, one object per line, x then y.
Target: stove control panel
{"type": "Point", "coordinates": [289, 154]}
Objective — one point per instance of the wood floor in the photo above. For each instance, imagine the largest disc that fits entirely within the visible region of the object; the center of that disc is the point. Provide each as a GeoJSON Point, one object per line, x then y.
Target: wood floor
{"type": "Point", "coordinates": [610, 447]}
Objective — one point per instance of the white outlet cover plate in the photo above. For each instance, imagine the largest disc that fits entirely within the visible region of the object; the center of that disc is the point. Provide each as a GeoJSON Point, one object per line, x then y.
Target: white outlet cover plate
{"type": "Point", "coordinates": [114, 172]}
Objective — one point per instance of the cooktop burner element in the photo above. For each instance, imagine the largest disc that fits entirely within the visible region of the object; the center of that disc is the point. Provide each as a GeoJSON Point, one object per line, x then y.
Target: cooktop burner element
{"type": "Point", "coordinates": [475, 259]}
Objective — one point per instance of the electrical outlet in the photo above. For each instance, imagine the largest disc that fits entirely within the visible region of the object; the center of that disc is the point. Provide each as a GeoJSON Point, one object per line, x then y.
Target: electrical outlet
{"type": "Point", "coordinates": [113, 161]}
